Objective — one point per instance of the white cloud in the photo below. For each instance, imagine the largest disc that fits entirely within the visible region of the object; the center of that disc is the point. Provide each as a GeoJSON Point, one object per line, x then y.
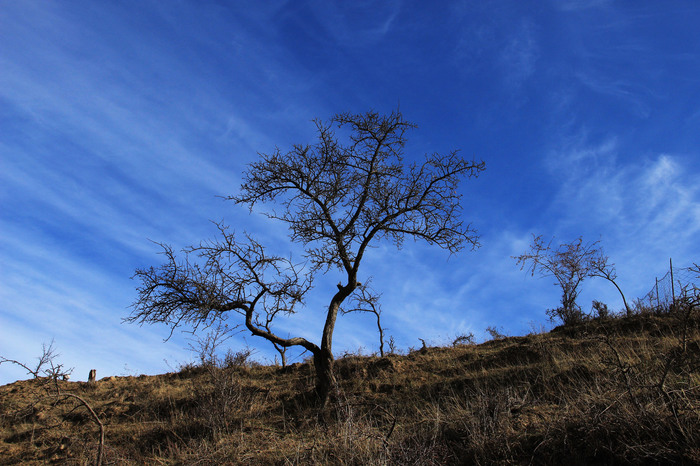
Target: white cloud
{"type": "Point", "coordinates": [520, 54]}
{"type": "Point", "coordinates": [633, 94]}
{"type": "Point", "coordinates": [646, 210]}
{"type": "Point", "coordinates": [350, 25]}
{"type": "Point", "coordinates": [48, 293]}
{"type": "Point", "coordinates": [120, 128]}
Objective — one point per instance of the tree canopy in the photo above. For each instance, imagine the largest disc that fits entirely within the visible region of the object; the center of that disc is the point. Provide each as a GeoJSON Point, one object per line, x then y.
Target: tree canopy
{"type": "Point", "coordinates": [338, 198]}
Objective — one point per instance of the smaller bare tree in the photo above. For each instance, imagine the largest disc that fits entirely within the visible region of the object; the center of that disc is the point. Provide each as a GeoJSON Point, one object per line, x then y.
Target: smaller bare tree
{"type": "Point", "coordinates": [569, 263]}
{"type": "Point", "coordinates": [206, 347]}
{"type": "Point", "coordinates": [267, 325]}
{"type": "Point", "coordinates": [48, 354]}
{"type": "Point", "coordinates": [368, 301]}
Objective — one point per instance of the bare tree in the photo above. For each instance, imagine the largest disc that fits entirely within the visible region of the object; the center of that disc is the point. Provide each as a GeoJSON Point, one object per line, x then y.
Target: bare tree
{"type": "Point", "coordinates": [338, 199]}
{"type": "Point", "coordinates": [48, 354]}
{"type": "Point", "coordinates": [282, 350]}
{"type": "Point", "coordinates": [569, 263]}
{"type": "Point", "coordinates": [368, 301]}
{"type": "Point", "coordinates": [207, 346]}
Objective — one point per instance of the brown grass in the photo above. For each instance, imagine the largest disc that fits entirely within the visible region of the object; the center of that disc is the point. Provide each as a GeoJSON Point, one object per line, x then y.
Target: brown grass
{"type": "Point", "coordinates": [623, 391]}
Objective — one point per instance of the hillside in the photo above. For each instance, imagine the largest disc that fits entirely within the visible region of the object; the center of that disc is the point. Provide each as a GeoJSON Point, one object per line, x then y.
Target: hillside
{"type": "Point", "coordinates": [621, 391]}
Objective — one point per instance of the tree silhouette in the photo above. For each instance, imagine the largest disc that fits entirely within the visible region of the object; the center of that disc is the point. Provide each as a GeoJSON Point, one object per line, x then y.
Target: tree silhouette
{"type": "Point", "coordinates": [338, 199]}
{"type": "Point", "coordinates": [570, 264]}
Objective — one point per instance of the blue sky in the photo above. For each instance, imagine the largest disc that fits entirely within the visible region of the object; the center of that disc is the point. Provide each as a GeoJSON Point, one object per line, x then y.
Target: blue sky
{"type": "Point", "coordinates": [121, 122]}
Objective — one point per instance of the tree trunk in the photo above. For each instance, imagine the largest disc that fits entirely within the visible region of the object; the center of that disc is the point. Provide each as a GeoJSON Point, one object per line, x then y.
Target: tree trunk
{"type": "Point", "coordinates": [325, 379]}
{"type": "Point", "coordinates": [381, 337]}
{"type": "Point", "coordinates": [323, 358]}
{"type": "Point", "coordinates": [627, 308]}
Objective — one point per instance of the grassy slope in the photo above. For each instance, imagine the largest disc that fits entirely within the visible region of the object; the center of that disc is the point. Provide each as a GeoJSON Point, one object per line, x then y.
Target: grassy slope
{"type": "Point", "coordinates": [582, 395]}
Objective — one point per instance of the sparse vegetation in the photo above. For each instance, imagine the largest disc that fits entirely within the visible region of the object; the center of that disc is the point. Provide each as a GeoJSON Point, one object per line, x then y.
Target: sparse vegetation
{"type": "Point", "coordinates": [464, 339]}
{"type": "Point", "coordinates": [52, 392]}
{"type": "Point", "coordinates": [623, 390]}
{"type": "Point", "coordinates": [495, 333]}
{"type": "Point", "coordinates": [600, 310]}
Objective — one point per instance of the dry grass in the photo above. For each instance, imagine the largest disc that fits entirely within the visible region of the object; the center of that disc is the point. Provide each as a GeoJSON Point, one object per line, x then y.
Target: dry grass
{"type": "Point", "coordinates": [623, 391]}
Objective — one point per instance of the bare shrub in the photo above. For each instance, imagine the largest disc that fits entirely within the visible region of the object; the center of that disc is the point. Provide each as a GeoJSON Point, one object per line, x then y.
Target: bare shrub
{"type": "Point", "coordinates": [44, 362]}
{"type": "Point", "coordinates": [241, 359]}
{"type": "Point", "coordinates": [568, 316]}
{"type": "Point", "coordinates": [222, 403]}
{"type": "Point", "coordinates": [207, 346]}
{"type": "Point", "coordinates": [496, 333]}
{"type": "Point", "coordinates": [464, 339]}
{"type": "Point", "coordinates": [600, 310]}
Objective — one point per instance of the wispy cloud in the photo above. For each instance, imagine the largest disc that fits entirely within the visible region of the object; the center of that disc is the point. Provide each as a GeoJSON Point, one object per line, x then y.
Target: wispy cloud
{"type": "Point", "coordinates": [49, 293]}
{"type": "Point", "coordinates": [350, 26]}
{"type": "Point", "coordinates": [107, 150]}
{"type": "Point", "coordinates": [635, 96]}
{"type": "Point", "coordinates": [121, 122]}
{"type": "Point", "coordinates": [519, 54]}
{"type": "Point", "coordinates": [651, 205]}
